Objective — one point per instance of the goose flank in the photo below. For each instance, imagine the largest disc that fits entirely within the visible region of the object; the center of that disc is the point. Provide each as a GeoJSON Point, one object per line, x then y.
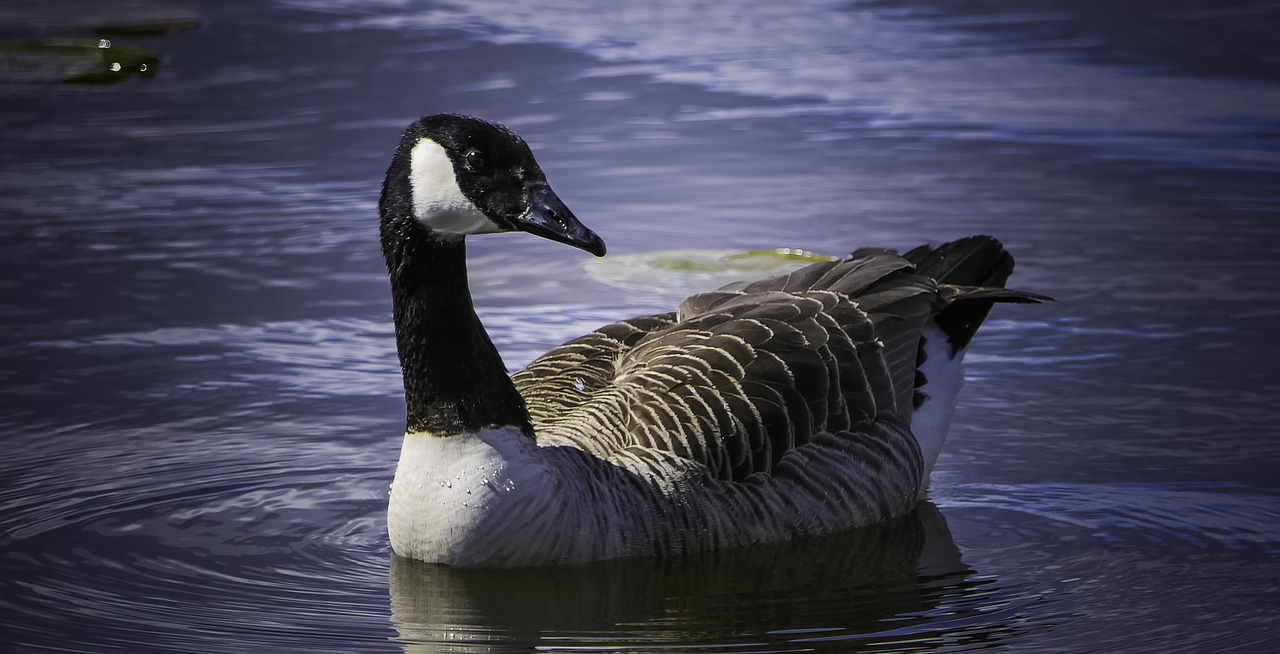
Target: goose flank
{"type": "Point", "coordinates": [766, 410]}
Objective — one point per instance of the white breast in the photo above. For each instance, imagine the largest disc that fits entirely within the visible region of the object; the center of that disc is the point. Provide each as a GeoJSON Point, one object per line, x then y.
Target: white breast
{"type": "Point", "coordinates": [448, 491]}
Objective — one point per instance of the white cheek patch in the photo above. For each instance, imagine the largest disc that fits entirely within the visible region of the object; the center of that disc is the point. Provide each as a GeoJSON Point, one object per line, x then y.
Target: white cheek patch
{"type": "Point", "coordinates": [438, 203]}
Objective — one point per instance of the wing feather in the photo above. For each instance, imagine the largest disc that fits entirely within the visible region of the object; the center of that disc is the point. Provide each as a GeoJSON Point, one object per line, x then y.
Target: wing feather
{"type": "Point", "coordinates": [737, 381]}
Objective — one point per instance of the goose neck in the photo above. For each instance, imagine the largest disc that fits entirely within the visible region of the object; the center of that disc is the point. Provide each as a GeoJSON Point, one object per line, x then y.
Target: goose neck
{"type": "Point", "coordinates": [454, 379]}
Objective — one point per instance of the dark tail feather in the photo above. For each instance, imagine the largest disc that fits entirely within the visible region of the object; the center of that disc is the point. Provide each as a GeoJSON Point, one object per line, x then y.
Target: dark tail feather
{"type": "Point", "coordinates": [971, 274]}
{"type": "Point", "coordinates": [971, 261]}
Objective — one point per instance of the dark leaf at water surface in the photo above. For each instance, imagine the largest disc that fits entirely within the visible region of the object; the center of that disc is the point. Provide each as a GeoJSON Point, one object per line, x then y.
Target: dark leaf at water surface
{"type": "Point", "coordinates": [68, 40]}
{"type": "Point", "coordinates": [74, 62]}
{"type": "Point", "coordinates": [105, 17]}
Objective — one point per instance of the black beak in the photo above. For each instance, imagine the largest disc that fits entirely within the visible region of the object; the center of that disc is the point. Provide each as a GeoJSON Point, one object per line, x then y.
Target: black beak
{"type": "Point", "coordinates": [549, 218]}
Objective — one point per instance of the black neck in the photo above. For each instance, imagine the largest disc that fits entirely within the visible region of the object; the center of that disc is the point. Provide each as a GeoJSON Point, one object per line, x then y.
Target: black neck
{"type": "Point", "coordinates": [454, 379]}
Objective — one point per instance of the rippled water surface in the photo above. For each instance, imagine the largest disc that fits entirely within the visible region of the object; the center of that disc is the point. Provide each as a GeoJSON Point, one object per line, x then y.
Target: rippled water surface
{"type": "Point", "coordinates": [200, 405]}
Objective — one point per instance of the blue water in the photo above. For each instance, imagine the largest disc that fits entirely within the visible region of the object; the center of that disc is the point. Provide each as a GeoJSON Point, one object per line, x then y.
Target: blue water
{"type": "Point", "coordinates": [200, 404]}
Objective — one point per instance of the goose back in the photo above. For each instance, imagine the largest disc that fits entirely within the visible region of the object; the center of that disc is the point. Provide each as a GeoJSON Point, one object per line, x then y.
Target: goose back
{"type": "Point", "coordinates": [738, 377]}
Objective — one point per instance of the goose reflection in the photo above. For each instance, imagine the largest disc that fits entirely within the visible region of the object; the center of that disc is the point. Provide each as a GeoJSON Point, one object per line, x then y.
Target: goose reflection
{"type": "Point", "coordinates": [901, 581]}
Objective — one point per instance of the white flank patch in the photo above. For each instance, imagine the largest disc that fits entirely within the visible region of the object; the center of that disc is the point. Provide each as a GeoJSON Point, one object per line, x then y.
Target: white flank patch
{"type": "Point", "coordinates": [438, 203]}
{"type": "Point", "coordinates": [945, 376]}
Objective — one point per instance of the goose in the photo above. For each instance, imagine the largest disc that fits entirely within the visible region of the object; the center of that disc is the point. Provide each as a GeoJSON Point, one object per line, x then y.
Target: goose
{"type": "Point", "coordinates": [769, 410]}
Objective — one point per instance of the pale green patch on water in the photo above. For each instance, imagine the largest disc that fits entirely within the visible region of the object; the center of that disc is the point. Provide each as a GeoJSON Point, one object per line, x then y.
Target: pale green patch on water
{"type": "Point", "coordinates": [682, 272]}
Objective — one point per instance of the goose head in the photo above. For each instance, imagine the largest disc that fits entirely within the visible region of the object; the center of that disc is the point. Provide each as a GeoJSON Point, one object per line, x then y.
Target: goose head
{"type": "Point", "coordinates": [456, 175]}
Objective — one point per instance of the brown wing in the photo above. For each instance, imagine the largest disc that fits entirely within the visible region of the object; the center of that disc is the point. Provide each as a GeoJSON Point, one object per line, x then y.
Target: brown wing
{"type": "Point", "coordinates": [740, 376]}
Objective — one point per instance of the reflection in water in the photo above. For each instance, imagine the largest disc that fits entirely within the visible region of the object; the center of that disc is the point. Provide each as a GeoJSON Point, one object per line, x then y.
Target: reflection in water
{"type": "Point", "coordinates": [901, 584]}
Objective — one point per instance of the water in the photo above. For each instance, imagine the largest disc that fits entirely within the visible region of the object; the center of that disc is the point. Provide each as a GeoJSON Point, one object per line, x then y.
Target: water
{"type": "Point", "coordinates": [200, 400]}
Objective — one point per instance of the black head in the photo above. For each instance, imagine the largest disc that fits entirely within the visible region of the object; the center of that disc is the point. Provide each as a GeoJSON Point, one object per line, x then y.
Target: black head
{"type": "Point", "coordinates": [460, 175]}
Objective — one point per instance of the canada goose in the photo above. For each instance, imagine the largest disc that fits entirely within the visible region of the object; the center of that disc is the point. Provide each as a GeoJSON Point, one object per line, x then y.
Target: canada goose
{"type": "Point", "coordinates": [802, 404]}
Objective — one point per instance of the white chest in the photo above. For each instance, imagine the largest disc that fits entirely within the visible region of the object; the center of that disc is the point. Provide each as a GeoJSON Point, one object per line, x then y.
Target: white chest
{"type": "Point", "coordinates": [454, 498]}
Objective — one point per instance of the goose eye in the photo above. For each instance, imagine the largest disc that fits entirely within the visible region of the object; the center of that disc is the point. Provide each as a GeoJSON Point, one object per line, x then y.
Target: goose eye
{"type": "Point", "coordinates": [475, 160]}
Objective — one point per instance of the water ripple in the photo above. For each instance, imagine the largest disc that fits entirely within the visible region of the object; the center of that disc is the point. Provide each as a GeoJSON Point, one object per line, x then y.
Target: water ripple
{"type": "Point", "coordinates": [1203, 515]}
{"type": "Point", "coordinates": [250, 514]}
{"type": "Point", "coordinates": [856, 62]}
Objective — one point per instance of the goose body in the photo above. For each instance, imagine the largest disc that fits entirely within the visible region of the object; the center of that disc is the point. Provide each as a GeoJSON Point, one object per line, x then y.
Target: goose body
{"type": "Point", "coordinates": [797, 405]}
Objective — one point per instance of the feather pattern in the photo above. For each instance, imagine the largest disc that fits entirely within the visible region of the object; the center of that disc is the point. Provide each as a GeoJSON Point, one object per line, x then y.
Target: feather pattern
{"type": "Point", "coordinates": [737, 378]}
{"type": "Point", "coordinates": [762, 400]}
